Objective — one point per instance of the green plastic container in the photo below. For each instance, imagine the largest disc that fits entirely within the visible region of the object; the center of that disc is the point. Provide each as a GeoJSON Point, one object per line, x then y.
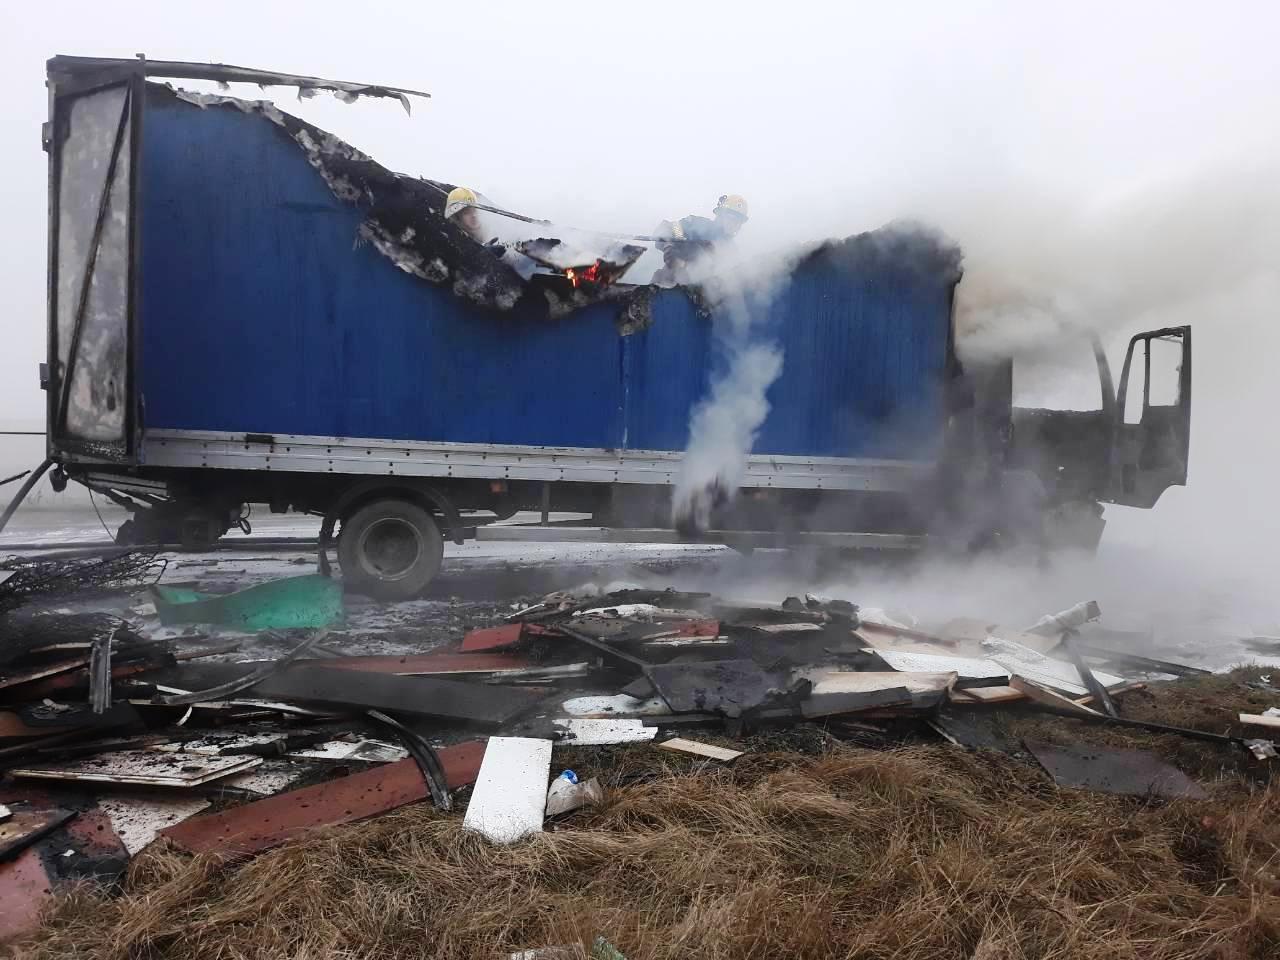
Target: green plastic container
{"type": "Point", "coordinates": [310, 601]}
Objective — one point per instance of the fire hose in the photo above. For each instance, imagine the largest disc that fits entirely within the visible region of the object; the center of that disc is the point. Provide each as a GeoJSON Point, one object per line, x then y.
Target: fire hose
{"type": "Point", "coordinates": [596, 233]}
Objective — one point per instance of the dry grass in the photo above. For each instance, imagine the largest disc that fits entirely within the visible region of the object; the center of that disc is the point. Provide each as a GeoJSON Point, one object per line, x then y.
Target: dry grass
{"type": "Point", "coordinates": [925, 853]}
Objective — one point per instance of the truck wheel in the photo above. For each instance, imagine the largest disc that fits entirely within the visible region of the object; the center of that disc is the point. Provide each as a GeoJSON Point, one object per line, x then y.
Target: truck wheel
{"type": "Point", "coordinates": [390, 549]}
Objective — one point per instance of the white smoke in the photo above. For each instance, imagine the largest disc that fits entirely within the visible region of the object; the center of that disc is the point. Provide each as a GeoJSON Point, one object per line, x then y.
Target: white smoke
{"type": "Point", "coordinates": [1134, 262]}
{"type": "Point", "coordinates": [724, 424]}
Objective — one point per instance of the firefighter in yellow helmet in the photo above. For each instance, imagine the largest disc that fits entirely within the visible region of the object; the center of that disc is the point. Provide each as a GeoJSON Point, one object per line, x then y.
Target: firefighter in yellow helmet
{"type": "Point", "coordinates": [692, 237]}
{"type": "Point", "coordinates": [459, 207]}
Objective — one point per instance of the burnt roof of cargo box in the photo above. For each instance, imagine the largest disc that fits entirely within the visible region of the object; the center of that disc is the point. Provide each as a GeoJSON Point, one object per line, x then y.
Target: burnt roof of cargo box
{"type": "Point", "coordinates": [69, 66]}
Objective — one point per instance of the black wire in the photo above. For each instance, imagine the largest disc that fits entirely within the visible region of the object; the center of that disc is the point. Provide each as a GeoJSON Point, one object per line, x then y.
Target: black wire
{"type": "Point", "coordinates": [424, 756]}
{"type": "Point", "coordinates": [94, 502]}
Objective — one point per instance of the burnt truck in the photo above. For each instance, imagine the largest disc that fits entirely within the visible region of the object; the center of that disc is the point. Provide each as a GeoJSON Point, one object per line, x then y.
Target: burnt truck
{"type": "Point", "coordinates": [246, 310]}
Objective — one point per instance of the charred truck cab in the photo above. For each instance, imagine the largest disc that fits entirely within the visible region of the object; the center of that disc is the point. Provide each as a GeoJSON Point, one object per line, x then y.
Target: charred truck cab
{"type": "Point", "coordinates": [244, 309]}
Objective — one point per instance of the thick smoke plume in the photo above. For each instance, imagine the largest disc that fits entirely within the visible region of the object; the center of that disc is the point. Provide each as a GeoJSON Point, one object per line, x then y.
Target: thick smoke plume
{"type": "Point", "coordinates": [1147, 259]}
{"type": "Point", "coordinates": [723, 426]}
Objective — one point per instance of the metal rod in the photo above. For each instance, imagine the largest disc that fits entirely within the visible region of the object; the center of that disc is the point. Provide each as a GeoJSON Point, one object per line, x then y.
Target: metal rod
{"type": "Point", "coordinates": [1099, 692]}
{"type": "Point", "coordinates": [1142, 663]}
{"type": "Point", "coordinates": [546, 504]}
{"type": "Point", "coordinates": [16, 476]}
{"type": "Point", "coordinates": [100, 672]}
{"type": "Point", "coordinates": [1136, 724]}
{"type": "Point", "coordinates": [21, 495]}
{"type": "Point", "coordinates": [602, 646]}
{"type": "Point", "coordinates": [642, 238]}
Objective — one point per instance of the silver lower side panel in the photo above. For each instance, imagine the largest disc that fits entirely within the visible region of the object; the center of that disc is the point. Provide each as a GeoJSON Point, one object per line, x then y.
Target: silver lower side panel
{"type": "Point", "coordinates": [533, 533]}
{"type": "Point", "coordinates": [300, 454]}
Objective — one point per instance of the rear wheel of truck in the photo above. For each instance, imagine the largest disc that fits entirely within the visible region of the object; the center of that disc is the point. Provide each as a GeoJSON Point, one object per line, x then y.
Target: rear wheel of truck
{"type": "Point", "coordinates": [390, 549]}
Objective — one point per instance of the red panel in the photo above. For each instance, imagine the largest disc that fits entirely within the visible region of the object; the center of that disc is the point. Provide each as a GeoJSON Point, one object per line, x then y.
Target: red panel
{"type": "Point", "coordinates": [267, 823]}
{"type": "Point", "coordinates": [96, 836]}
{"type": "Point", "coordinates": [492, 638]}
{"type": "Point", "coordinates": [700, 628]}
{"type": "Point", "coordinates": [25, 887]}
{"type": "Point", "coordinates": [538, 630]}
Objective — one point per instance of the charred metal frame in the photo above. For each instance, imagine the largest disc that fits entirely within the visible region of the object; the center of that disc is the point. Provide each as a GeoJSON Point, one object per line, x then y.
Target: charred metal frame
{"type": "Point", "coordinates": [221, 73]}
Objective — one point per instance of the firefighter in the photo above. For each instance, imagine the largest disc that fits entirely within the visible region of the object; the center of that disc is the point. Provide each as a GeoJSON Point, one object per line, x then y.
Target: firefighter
{"type": "Point", "coordinates": [688, 239]}
{"type": "Point", "coordinates": [460, 210]}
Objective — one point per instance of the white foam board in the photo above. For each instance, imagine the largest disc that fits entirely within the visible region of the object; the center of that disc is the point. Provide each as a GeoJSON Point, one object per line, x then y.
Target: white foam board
{"type": "Point", "coordinates": [510, 796]}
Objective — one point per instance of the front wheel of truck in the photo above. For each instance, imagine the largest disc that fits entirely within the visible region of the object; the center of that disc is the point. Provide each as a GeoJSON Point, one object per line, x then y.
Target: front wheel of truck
{"type": "Point", "coordinates": [390, 549]}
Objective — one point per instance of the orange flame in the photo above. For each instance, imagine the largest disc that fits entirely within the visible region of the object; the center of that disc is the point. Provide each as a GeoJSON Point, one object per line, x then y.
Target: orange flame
{"type": "Point", "coordinates": [591, 274]}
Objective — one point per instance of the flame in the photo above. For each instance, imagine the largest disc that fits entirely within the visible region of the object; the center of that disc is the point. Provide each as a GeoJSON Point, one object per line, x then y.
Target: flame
{"type": "Point", "coordinates": [591, 274]}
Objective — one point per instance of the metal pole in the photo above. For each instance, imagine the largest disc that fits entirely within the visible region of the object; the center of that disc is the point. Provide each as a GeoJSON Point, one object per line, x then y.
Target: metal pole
{"type": "Point", "coordinates": [595, 233]}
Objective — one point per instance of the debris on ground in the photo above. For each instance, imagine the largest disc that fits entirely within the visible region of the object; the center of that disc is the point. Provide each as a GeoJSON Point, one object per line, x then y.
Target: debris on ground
{"type": "Point", "coordinates": [679, 710]}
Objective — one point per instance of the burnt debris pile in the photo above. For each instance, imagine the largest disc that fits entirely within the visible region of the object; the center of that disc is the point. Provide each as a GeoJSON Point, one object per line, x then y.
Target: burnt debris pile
{"type": "Point", "coordinates": [235, 722]}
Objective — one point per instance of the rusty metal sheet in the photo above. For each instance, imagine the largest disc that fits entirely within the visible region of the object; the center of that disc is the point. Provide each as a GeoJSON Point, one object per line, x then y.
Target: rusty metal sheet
{"type": "Point", "coordinates": [25, 888]}
{"type": "Point", "coordinates": [267, 823]}
{"type": "Point", "coordinates": [492, 638]}
{"type": "Point", "coordinates": [20, 675]}
{"type": "Point", "coordinates": [1128, 772]}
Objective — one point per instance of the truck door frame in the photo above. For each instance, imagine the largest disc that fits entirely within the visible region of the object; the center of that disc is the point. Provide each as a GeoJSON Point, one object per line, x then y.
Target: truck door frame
{"type": "Point", "coordinates": [1163, 430]}
{"type": "Point", "coordinates": [65, 89]}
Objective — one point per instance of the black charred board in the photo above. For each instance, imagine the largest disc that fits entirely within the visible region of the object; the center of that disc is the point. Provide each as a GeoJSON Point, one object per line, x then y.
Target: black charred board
{"type": "Point", "coordinates": [1128, 772]}
{"type": "Point", "coordinates": [25, 827]}
{"type": "Point", "coordinates": [729, 687]}
{"type": "Point", "coordinates": [416, 696]}
{"type": "Point", "coordinates": [975, 729]}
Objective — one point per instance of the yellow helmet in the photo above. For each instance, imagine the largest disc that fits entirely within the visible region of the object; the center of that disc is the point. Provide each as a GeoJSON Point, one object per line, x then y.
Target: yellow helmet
{"type": "Point", "coordinates": [458, 200]}
{"type": "Point", "coordinates": [733, 203]}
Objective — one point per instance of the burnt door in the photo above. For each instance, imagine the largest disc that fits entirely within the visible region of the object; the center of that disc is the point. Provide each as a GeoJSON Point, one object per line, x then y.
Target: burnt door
{"type": "Point", "coordinates": [92, 138]}
{"type": "Point", "coordinates": [1152, 433]}
{"type": "Point", "coordinates": [1066, 439]}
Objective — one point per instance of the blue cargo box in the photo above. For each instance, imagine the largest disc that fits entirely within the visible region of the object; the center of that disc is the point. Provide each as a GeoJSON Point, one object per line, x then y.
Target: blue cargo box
{"type": "Point", "coordinates": [260, 313]}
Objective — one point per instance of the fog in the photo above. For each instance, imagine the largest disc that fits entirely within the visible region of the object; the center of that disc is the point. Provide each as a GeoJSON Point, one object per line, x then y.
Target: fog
{"type": "Point", "coordinates": [1103, 165]}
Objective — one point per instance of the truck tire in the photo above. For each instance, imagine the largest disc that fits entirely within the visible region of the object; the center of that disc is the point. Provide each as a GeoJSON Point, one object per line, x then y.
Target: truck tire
{"type": "Point", "coordinates": [390, 550]}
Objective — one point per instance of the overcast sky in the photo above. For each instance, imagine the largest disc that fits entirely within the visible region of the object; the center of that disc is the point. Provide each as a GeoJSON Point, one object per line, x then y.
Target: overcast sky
{"type": "Point", "coordinates": [1121, 154]}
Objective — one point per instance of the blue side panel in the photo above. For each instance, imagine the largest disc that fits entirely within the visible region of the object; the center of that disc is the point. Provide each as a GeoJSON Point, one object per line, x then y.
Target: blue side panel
{"type": "Point", "coordinates": [668, 368]}
{"type": "Point", "coordinates": [260, 314]}
{"type": "Point", "coordinates": [865, 350]}
{"type": "Point", "coordinates": [862, 355]}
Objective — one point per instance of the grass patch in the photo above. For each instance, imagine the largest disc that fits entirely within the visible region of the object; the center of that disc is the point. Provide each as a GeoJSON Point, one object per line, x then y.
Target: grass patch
{"type": "Point", "coordinates": [920, 853]}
